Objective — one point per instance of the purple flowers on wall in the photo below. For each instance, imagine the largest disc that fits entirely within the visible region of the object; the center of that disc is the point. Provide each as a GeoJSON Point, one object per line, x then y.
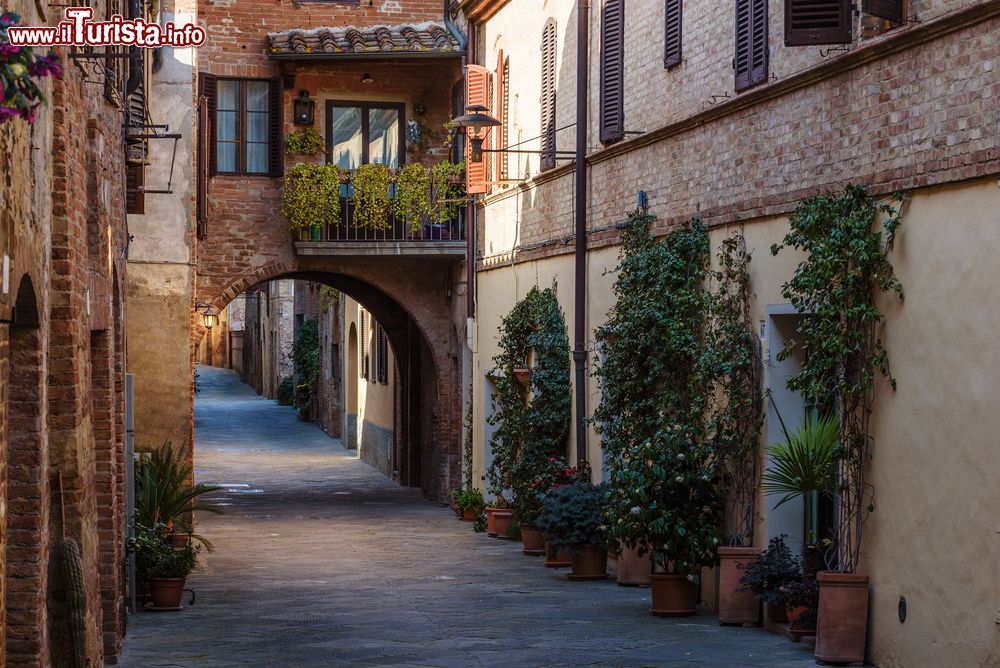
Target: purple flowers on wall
{"type": "Point", "coordinates": [20, 71]}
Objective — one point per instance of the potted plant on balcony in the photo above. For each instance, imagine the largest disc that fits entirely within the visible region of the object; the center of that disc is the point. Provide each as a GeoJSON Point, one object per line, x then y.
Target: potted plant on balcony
{"type": "Point", "coordinates": [412, 203]}
{"type": "Point", "coordinates": [371, 196]}
{"type": "Point", "coordinates": [305, 142]}
{"type": "Point", "coordinates": [572, 517]}
{"type": "Point", "coordinates": [162, 566]}
{"type": "Point", "coordinates": [312, 198]}
{"type": "Point", "coordinates": [447, 196]}
{"type": "Point", "coordinates": [846, 239]}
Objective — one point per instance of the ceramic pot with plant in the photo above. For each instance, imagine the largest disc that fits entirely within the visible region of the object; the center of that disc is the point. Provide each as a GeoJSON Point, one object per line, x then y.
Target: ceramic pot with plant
{"type": "Point", "coordinates": [573, 519]}
{"type": "Point", "coordinates": [633, 569]}
{"type": "Point", "coordinates": [736, 604]}
{"type": "Point", "coordinates": [765, 575]}
{"type": "Point", "coordinates": [555, 473]}
{"type": "Point", "coordinates": [503, 522]}
{"type": "Point", "coordinates": [469, 502]}
{"type": "Point", "coordinates": [163, 567]}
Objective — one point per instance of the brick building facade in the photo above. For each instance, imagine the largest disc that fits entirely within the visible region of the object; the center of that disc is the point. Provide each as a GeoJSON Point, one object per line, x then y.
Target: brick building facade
{"type": "Point", "coordinates": [62, 363]}
{"type": "Point", "coordinates": [904, 106]}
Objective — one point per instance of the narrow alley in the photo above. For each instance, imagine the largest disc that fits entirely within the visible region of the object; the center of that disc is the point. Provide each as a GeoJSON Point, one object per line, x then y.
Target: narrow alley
{"type": "Point", "coordinates": [321, 561]}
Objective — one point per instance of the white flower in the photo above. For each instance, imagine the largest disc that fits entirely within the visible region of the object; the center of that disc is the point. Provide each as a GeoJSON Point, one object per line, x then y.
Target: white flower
{"type": "Point", "coordinates": [680, 455]}
{"type": "Point", "coordinates": [636, 510]}
{"type": "Point", "coordinates": [679, 479]}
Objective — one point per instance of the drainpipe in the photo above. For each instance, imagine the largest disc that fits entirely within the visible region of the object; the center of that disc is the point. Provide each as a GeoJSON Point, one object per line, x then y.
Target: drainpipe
{"type": "Point", "coordinates": [580, 320]}
{"type": "Point", "coordinates": [452, 27]}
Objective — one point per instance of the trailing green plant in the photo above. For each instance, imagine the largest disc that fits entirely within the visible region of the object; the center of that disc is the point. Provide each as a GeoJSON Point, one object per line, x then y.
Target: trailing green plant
{"type": "Point", "coordinates": [835, 289]}
{"type": "Point", "coordinates": [413, 195]}
{"type": "Point", "coordinates": [305, 355]}
{"type": "Point", "coordinates": [21, 72]}
{"type": "Point", "coordinates": [469, 498]}
{"type": "Point", "coordinates": [532, 420]}
{"type": "Point", "coordinates": [371, 196]}
{"type": "Point", "coordinates": [655, 378]}
{"type": "Point", "coordinates": [312, 196]}
{"type": "Point", "coordinates": [736, 417]}
{"type": "Point", "coordinates": [768, 572]}
{"type": "Point", "coordinates": [447, 192]}
{"type": "Point", "coordinates": [164, 492]}
{"type": "Point", "coordinates": [304, 142]}
{"type": "Point", "coordinates": [573, 515]}
{"type": "Point", "coordinates": [156, 557]}
{"type": "Point", "coordinates": [328, 297]}
{"type": "Point", "coordinates": [285, 394]}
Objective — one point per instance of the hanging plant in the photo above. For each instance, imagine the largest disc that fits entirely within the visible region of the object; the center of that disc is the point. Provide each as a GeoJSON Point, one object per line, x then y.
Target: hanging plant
{"type": "Point", "coordinates": [371, 196]}
{"type": "Point", "coordinates": [312, 196]}
{"type": "Point", "coordinates": [737, 416]}
{"type": "Point", "coordinates": [20, 72]}
{"type": "Point", "coordinates": [448, 194]}
{"type": "Point", "coordinates": [328, 298]}
{"type": "Point", "coordinates": [532, 420]}
{"type": "Point", "coordinates": [413, 196]}
{"type": "Point", "coordinates": [834, 289]}
{"type": "Point", "coordinates": [655, 378]}
{"type": "Point", "coordinates": [306, 142]}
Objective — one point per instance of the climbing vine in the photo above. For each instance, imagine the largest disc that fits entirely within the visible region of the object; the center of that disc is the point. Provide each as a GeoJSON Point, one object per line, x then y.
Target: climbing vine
{"type": "Point", "coordinates": [305, 355]}
{"type": "Point", "coordinates": [371, 196]}
{"type": "Point", "coordinates": [655, 378]}
{"type": "Point", "coordinates": [304, 142]}
{"type": "Point", "coordinates": [835, 289]}
{"type": "Point", "coordinates": [312, 196]}
{"type": "Point", "coordinates": [328, 298]}
{"type": "Point", "coordinates": [737, 414]}
{"type": "Point", "coordinates": [448, 191]}
{"type": "Point", "coordinates": [532, 418]}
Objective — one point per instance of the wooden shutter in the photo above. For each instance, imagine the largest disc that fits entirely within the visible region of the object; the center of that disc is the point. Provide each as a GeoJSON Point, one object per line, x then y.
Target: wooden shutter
{"type": "Point", "coordinates": [476, 92]}
{"type": "Point", "coordinates": [809, 22]}
{"type": "Point", "coordinates": [381, 355]}
{"type": "Point", "coordinates": [891, 10]}
{"type": "Point", "coordinates": [275, 162]}
{"type": "Point", "coordinates": [672, 31]}
{"type": "Point", "coordinates": [206, 149]}
{"type": "Point", "coordinates": [135, 198]}
{"type": "Point", "coordinates": [548, 116]}
{"type": "Point", "coordinates": [612, 122]}
{"type": "Point", "coordinates": [750, 62]}
{"type": "Point", "coordinates": [500, 139]}
{"type": "Point", "coordinates": [505, 111]}
{"type": "Point", "coordinates": [208, 85]}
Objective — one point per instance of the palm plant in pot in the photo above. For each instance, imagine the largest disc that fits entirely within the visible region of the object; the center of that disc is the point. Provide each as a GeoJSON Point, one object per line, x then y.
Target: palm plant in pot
{"type": "Point", "coordinates": [846, 239]}
{"type": "Point", "coordinates": [572, 518]}
{"type": "Point", "coordinates": [165, 495]}
{"type": "Point", "coordinates": [161, 566]}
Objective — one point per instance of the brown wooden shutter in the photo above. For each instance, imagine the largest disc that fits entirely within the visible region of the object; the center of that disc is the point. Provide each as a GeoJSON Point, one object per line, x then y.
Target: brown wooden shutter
{"type": "Point", "coordinates": [205, 149]}
{"type": "Point", "coordinates": [750, 62]}
{"type": "Point", "coordinates": [208, 85]}
{"type": "Point", "coordinates": [476, 92]}
{"type": "Point", "coordinates": [548, 116]}
{"type": "Point", "coordinates": [672, 31]}
{"type": "Point", "coordinates": [135, 198]}
{"type": "Point", "coordinates": [612, 121]}
{"type": "Point", "coordinates": [275, 161]}
{"type": "Point", "coordinates": [809, 22]}
{"type": "Point", "coordinates": [505, 110]}
{"type": "Point", "coordinates": [891, 10]}
{"type": "Point", "coordinates": [500, 140]}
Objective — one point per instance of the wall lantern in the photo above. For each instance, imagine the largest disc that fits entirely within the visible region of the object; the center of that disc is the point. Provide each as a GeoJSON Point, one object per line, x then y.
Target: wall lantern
{"type": "Point", "coordinates": [476, 123]}
{"type": "Point", "coordinates": [210, 317]}
{"type": "Point", "coordinates": [305, 109]}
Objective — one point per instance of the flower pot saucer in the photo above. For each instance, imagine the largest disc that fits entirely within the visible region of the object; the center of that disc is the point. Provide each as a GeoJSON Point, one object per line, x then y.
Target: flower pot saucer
{"type": "Point", "coordinates": [534, 553]}
{"type": "Point", "coordinates": [153, 608]}
{"type": "Point", "coordinates": [571, 576]}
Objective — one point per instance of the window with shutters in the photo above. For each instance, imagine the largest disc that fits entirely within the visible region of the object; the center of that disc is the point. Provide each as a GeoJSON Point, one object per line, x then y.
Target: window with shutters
{"type": "Point", "coordinates": [612, 71]}
{"type": "Point", "coordinates": [501, 83]}
{"type": "Point", "coordinates": [750, 62]}
{"type": "Point", "coordinates": [809, 22]}
{"type": "Point", "coordinates": [381, 355]}
{"type": "Point", "coordinates": [891, 10]}
{"type": "Point", "coordinates": [548, 98]}
{"type": "Point", "coordinates": [247, 127]}
{"type": "Point", "coordinates": [505, 117]}
{"type": "Point", "coordinates": [672, 30]}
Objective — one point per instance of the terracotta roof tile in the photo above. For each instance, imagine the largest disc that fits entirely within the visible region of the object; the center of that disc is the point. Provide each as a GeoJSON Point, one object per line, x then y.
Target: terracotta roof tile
{"type": "Point", "coordinates": [420, 39]}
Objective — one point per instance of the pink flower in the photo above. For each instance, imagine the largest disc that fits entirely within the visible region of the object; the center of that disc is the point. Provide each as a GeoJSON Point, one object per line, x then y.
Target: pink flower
{"type": "Point", "coordinates": [7, 113]}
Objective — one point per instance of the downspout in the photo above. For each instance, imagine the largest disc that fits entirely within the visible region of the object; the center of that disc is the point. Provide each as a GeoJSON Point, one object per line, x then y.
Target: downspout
{"type": "Point", "coordinates": [580, 320]}
{"type": "Point", "coordinates": [454, 28]}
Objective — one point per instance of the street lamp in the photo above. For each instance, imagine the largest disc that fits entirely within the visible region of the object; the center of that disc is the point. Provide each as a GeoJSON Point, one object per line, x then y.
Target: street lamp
{"type": "Point", "coordinates": [476, 122]}
{"type": "Point", "coordinates": [210, 317]}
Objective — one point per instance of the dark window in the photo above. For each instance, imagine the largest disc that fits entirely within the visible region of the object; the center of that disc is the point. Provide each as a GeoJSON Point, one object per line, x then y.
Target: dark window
{"type": "Point", "coordinates": [135, 198]}
{"type": "Point", "coordinates": [810, 22]}
{"type": "Point", "coordinates": [891, 10]}
{"type": "Point", "coordinates": [247, 127]}
{"type": "Point", "coordinates": [362, 132]}
{"type": "Point", "coordinates": [672, 30]}
{"type": "Point", "coordinates": [548, 133]}
{"type": "Point", "coordinates": [612, 71]}
{"type": "Point", "coordinates": [363, 336]}
{"type": "Point", "coordinates": [381, 355]}
{"type": "Point", "coordinates": [750, 62]}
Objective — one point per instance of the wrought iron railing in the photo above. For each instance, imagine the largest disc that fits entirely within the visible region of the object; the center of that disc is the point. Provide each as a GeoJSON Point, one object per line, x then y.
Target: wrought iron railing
{"type": "Point", "coordinates": [396, 229]}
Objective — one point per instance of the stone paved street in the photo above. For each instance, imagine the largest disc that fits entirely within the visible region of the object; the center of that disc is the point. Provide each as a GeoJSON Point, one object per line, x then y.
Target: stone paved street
{"type": "Point", "coordinates": [321, 561]}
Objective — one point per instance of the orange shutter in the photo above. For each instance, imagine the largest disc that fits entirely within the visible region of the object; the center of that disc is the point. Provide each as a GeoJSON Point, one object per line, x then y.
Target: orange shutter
{"type": "Point", "coordinates": [477, 84]}
{"type": "Point", "coordinates": [500, 141]}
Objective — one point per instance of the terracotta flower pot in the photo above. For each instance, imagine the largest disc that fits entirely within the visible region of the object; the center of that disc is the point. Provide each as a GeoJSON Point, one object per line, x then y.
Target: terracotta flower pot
{"type": "Point", "coordinates": [736, 607]}
{"type": "Point", "coordinates": [179, 539]}
{"type": "Point", "coordinates": [589, 562]}
{"type": "Point", "coordinates": [491, 525]}
{"type": "Point", "coordinates": [673, 595]}
{"type": "Point", "coordinates": [501, 522]}
{"type": "Point", "coordinates": [531, 539]}
{"type": "Point", "coordinates": [469, 514]}
{"type": "Point", "coordinates": [843, 617]}
{"type": "Point", "coordinates": [166, 593]}
{"type": "Point", "coordinates": [633, 570]}
{"type": "Point", "coordinates": [555, 559]}
{"type": "Point", "coordinates": [776, 613]}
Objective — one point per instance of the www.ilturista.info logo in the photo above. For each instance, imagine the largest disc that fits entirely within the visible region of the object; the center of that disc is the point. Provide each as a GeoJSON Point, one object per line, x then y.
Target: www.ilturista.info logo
{"type": "Point", "coordinates": [78, 30]}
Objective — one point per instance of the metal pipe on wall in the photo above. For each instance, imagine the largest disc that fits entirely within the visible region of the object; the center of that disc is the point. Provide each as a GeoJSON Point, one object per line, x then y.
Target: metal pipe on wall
{"type": "Point", "coordinates": [580, 314]}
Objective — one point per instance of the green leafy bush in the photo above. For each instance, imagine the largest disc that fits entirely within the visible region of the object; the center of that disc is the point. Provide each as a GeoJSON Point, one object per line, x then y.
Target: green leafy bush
{"type": "Point", "coordinates": [312, 196]}
{"type": "Point", "coordinates": [573, 515]}
{"type": "Point", "coordinates": [371, 196]}
{"type": "Point", "coordinates": [413, 195]}
{"type": "Point", "coordinates": [768, 572]}
{"type": "Point", "coordinates": [469, 498]}
{"type": "Point", "coordinates": [286, 391]}
{"type": "Point", "coordinates": [304, 142]}
{"type": "Point", "coordinates": [305, 354]}
{"type": "Point", "coordinates": [556, 473]}
{"type": "Point", "coordinates": [155, 556]}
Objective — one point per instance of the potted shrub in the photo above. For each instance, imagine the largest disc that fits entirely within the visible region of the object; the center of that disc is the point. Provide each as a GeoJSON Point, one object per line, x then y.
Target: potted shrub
{"type": "Point", "coordinates": [572, 518]}
{"type": "Point", "coordinates": [556, 473]}
{"type": "Point", "coordinates": [165, 497]}
{"type": "Point", "coordinates": [469, 502]}
{"type": "Point", "coordinates": [846, 239]}
{"type": "Point", "coordinates": [161, 566]}
{"type": "Point", "coordinates": [766, 575]}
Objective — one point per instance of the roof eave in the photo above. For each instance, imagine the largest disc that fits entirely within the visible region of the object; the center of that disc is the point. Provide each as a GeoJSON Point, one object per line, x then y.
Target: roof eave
{"type": "Point", "coordinates": [373, 55]}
